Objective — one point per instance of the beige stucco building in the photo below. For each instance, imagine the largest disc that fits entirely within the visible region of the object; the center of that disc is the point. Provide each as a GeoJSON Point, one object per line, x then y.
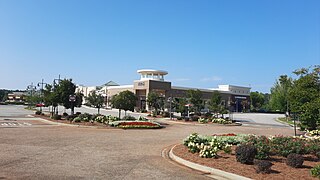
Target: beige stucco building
{"type": "Point", "coordinates": [233, 97]}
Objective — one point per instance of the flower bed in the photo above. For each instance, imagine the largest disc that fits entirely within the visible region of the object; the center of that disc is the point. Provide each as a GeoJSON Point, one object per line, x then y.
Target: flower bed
{"type": "Point", "coordinates": [227, 162]}
{"type": "Point", "coordinates": [261, 151]}
{"type": "Point", "coordinates": [138, 125]}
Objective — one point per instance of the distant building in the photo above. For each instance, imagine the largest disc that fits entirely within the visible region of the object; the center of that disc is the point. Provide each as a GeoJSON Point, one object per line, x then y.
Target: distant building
{"type": "Point", "coordinates": [16, 97]}
{"type": "Point", "coordinates": [236, 98]}
{"type": "Point", "coordinates": [86, 90]}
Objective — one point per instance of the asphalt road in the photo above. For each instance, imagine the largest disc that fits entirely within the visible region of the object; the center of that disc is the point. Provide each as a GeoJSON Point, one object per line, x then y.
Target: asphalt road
{"type": "Point", "coordinates": [61, 152]}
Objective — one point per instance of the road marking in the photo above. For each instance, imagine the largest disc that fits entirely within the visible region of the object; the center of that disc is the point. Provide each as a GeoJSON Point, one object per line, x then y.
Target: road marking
{"type": "Point", "coordinates": [12, 124]}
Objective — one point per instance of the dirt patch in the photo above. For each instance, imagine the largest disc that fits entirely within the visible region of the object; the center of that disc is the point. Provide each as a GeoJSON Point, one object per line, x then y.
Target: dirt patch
{"type": "Point", "coordinates": [228, 163]}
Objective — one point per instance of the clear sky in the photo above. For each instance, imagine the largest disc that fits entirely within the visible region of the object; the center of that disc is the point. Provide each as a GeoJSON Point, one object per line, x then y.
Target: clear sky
{"type": "Point", "coordinates": [201, 43]}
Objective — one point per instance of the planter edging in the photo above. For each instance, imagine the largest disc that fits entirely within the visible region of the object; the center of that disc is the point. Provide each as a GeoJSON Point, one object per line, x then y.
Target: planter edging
{"type": "Point", "coordinates": [216, 173]}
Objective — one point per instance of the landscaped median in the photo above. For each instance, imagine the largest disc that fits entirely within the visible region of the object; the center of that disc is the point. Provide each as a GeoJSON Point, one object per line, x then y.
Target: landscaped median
{"type": "Point", "coordinates": [251, 156]}
{"type": "Point", "coordinates": [98, 120]}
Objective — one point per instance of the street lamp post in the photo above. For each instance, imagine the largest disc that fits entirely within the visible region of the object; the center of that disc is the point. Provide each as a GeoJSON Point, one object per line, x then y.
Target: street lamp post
{"type": "Point", "coordinates": [54, 84]}
{"type": "Point", "coordinates": [31, 88]}
{"type": "Point", "coordinates": [41, 92]}
{"type": "Point", "coordinates": [170, 101]}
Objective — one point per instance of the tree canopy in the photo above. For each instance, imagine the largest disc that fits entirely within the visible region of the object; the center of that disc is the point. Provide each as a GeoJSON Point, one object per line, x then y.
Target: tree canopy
{"type": "Point", "coordinates": [304, 97]}
{"type": "Point", "coordinates": [195, 98]}
{"type": "Point", "coordinates": [125, 100]}
{"type": "Point", "coordinates": [95, 100]}
{"type": "Point", "coordinates": [257, 100]}
{"type": "Point", "coordinates": [279, 94]}
{"type": "Point", "coordinates": [155, 101]}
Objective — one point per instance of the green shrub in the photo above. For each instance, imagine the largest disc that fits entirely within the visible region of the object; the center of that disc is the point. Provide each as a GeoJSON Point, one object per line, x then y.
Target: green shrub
{"type": "Point", "coordinates": [141, 118]}
{"type": "Point", "coordinates": [315, 171]}
{"type": "Point", "coordinates": [64, 114]}
{"type": "Point", "coordinates": [186, 118]}
{"type": "Point", "coordinates": [262, 143]}
{"type": "Point", "coordinates": [76, 119]}
{"type": "Point", "coordinates": [234, 140]}
{"type": "Point", "coordinates": [128, 117]}
{"type": "Point", "coordinates": [202, 120]}
{"type": "Point", "coordinates": [207, 148]}
{"type": "Point", "coordinates": [100, 119]}
{"type": "Point", "coordinates": [56, 117]}
{"type": "Point", "coordinates": [286, 145]}
{"type": "Point", "coordinates": [294, 160]}
{"type": "Point", "coordinates": [314, 132]}
{"type": "Point", "coordinates": [245, 153]}
{"type": "Point", "coordinates": [165, 114]}
{"type": "Point", "coordinates": [195, 118]}
{"type": "Point", "coordinates": [179, 118]}
{"type": "Point", "coordinates": [221, 121]}
{"type": "Point", "coordinates": [85, 117]}
{"type": "Point", "coordinates": [78, 113]}
{"type": "Point", "coordinates": [112, 118]}
{"type": "Point", "coordinates": [71, 117]}
{"type": "Point", "coordinates": [38, 113]}
{"type": "Point", "coordinates": [263, 166]}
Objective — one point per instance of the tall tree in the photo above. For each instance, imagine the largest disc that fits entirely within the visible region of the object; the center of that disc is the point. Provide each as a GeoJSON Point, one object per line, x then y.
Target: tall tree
{"type": "Point", "coordinates": [195, 98]}
{"type": "Point", "coordinates": [155, 101]}
{"type": "Point", "coordinates": [66, 88]}
{"type": "Point", "coordinates": [304, 97]}
{"type": "Point", "coordinates": [181, 105]}
{"type": "Point", "coordinates": [279, 94]}
{"type": "Point", "coordinates": [215, 102]}
{"type": "Point", "coordinates": [95, 100]}
{"type": "Point", "coordinates": [257, 100]}
{"type": "Point", "coordinates": [125, 100]}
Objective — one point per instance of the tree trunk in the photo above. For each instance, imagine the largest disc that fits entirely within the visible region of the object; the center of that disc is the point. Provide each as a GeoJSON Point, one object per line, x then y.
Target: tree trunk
{"type": "Point", "coordinates": [98, 110]}
{"type": "Point", "coordinates": [119, 113]}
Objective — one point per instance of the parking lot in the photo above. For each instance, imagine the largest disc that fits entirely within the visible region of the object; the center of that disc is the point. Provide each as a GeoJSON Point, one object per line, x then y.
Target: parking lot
{"type": "Point", "coordinates": [62, 152]}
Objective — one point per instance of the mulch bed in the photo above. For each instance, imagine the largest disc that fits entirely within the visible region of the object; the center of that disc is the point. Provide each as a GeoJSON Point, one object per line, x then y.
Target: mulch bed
{"type": "Point", "coordinates": [228, 163]}
{"type": "Point", "coordinates": [100, 125]}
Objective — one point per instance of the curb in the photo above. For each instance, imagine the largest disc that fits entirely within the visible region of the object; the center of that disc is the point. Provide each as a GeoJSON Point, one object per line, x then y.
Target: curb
{"type": "Point", "coordinates": [214, 173]}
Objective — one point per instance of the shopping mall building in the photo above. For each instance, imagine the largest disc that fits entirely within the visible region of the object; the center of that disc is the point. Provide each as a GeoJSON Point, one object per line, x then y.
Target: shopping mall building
{"type": "Point", "coordinates": [235, 98]}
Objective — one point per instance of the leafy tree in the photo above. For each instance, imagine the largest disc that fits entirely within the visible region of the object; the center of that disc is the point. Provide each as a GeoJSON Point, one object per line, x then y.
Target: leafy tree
{"type": "Point", "coordinates": [257, 100]}
{"type": "Point", "coordinates": [65, 88]}
{"type": "Point", "coordinates": [215, 102]}
{"type": "Point", "coordinates": [125, 100]}
{"type": "Point", "coordinates": [79, 99]}
{"type": "Point", "coordinates": [181, 105]}
{"type": "Point", "coordinates": [50, 97]}
{"type": "Point", "coordinates": [304, 97]}
{"type": "Point", "coordinates": [59, 94]}
{"type": "Point", "coordinates": [3, 94]}
{"type": "Point", "coordinates": [279, 94]}
{"type": "Point", "coordinates": [95, 100]}
{"type": "Point", "coordinates": [155, 101]}
{"type": "Point", "coordinates": [195, 98]}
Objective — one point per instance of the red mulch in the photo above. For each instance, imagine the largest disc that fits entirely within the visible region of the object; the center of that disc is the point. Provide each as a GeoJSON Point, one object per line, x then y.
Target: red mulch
{"type": "Point", "coordinates": [228, 163]}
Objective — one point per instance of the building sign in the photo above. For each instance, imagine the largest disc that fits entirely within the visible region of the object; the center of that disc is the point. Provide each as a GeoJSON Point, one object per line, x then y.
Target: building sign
{"type": "Point", "coordinates": [240, 97]}
{"type": "Point", "coordinates": [140, 83]}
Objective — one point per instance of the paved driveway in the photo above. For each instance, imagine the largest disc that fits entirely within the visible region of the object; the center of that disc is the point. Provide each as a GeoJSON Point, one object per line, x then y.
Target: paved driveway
{"type": "Point", "coordinates": [60, 152]}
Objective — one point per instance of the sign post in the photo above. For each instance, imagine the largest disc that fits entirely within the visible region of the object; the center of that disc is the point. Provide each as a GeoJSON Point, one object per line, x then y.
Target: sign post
{"type": "Point", "coordinates": [72, 99]}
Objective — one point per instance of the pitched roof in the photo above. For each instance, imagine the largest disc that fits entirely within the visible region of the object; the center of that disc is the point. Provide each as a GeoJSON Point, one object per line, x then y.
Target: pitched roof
{"type": "Point", "coordinates": [110, 83]}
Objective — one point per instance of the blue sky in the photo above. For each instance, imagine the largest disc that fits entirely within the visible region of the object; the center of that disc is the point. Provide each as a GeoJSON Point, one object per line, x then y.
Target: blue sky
{"type": "Point", "coordinates": [200, 43]}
